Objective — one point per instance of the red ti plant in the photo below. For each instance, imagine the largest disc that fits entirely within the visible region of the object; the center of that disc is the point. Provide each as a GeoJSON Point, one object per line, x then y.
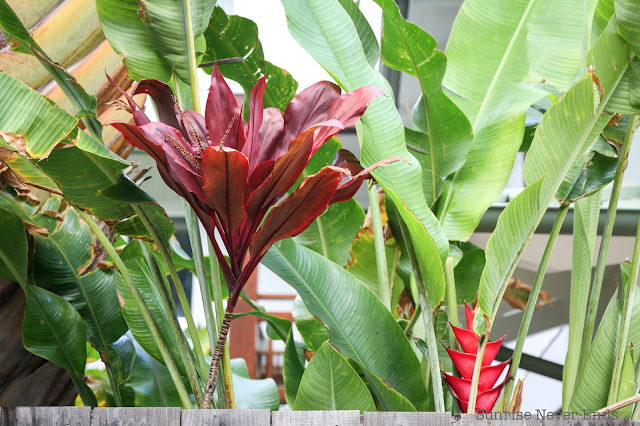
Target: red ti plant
{"type": "Point", "coordinates": [236, 175]}
{"type": "Point", "coordinates": [465, 361]}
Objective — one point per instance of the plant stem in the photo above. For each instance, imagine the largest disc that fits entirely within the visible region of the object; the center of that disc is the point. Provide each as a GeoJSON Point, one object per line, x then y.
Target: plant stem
{"type": "Point", "coordinates": [531, 303]}
{"type": "Point", "coordinates": [596, 287]}
{"type": "Point", "coordinates": [191, 51]}
{"type": "Point", "coordinates": [452, 303]}
{"type": "Point", "coordinates": [193, 228]}
{"type": "Point", "coordinates": [217, 355]}
{"type": "Point", "coordinates": [144, 309]}
{"type": "Point", "coordinates": [181, 341]}
{"type": "Point", "coordinates": [626, 319]}
{"type": "Point", "coordinates": [378, 243]}
{"type": "Point", "coordinates": [427, 318]}
{"type": "Point", "coordinates": [473, 395]}
{"type": "Point", "coordinates": [226, 396]}
{"type": "Point", "coordinates": [114, 386]}
{"type": "Point", "coordinates": [412, 321]}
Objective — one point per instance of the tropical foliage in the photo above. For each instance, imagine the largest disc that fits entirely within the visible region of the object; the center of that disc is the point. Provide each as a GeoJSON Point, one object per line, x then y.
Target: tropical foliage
{"type": "Point", "coordinates": [269, 182]}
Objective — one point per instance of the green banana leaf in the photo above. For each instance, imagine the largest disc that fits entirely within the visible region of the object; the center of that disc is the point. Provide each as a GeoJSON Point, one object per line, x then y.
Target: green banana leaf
{"type": "Point", "coordinates": [340, 301]}
{"type": "Point", "coordinates": [253, 393]}
{"type": "Point", "coordinates": [531, 41]}
{"type": "Point", "coordinates": [325, 30]}
{"type": "Point", "coordinates": [151, 35]}
{"type": "Point", "coordinates": [58, 264]}
{"type": "Point", "coordinates": [628, 16]}
{"type": "Point", "coordinates": [365, 33]}
{"type": "Point", "coordinates": [468, 271]}
{"type": "Point", "coordinates": [330, 383]}
{"type": "Point", "coordinates": [444, 131]}
{"type": "Point", "coordinates": [30, 122]}
{"type": "Point", "coordinates": [237, 37]}
{"type": "Point", "coordinates": [311, 329]}
{"type": "Point", "coordinates": [24, 168]}
{"type": "Point", "coordinates": [13, 247]}
{"type": "Point", "coordinates": [514, 229]}
{"type": "Point", "coordinates": [292, 369]}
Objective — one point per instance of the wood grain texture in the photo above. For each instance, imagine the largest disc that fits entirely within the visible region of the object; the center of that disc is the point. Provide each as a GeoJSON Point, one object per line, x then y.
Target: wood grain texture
{"type": "Point", "coordinates": [226, 417]}
{"type": "Point", "coordinates": [315, 418]}
{"type": "Point", "coordinates": [150, 416]}
{"type": "Point", "coordinates": [407, 419]}
{"type": "Point", "coordinates": [45, 416]}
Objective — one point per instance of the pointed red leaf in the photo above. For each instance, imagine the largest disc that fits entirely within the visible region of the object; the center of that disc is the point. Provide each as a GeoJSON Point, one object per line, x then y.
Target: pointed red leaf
{"type": "Point", "coordinates": [222, 112]}
{"type": "Point", "coordinates": [491, 351]}
{"type": "Point", "coordinates": [461, 389]}
{"type": "Point", "coordinates": [464, 363]}
{"type": "Point", "coordinates": [468, 339]}
{"type": "Point", "coordinates": [308, 108]}
{"type": "Point", "coordinates": [256, 107]}
{"type": "Point", "coordinates": [297, 211]}
{"type": "Point", "coordinates": [347, 109]}
{"type": "Point", "coordinates": [347, 189]}
{"type": "Point", "coordinates": [225, 174]}
{"type": "Point", "coordinates": [139, 117]}
{"type": "Point", "coordinates": [347, 160]}
{"type": "Point", "coordinates": [286, 171]}
{"type": "Point", "coordinates": [469, 314]}
{"type": "Point", "coordinates": [163, 99]}
{"type": "Point", "coordinates": [257, 177]}
{"type": "Point", "coordinates": [269, 145]}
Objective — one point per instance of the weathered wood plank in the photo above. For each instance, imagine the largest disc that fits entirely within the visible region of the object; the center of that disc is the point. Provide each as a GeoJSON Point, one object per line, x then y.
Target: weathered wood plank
{"type": "Point", "coordinates": [315, 418]}
{"type": "Point", "coordinates": [129, 416]}
{"type": "Point", "coordinates": [45, 416]}
{"type": "Point", "coordinates": [406, 419]}
{"type": "Point", "coordinates": [226, 418]}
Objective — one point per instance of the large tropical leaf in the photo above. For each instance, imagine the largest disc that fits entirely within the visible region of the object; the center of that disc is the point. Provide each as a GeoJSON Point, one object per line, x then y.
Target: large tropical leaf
{"type": "Point", "coordinates": [237, 37]}
{"type": "Point", "coordinates": [24, 169]}
{"type": "Point", "coordinates": [531, 42]}
{"type": "Point", "coordinates": [513, 231]}
{"type": "Point", "coordinates": [253, 393]}
{"type": "Point", "coordinates": [628, 16]}
{"type": "Point", "coordinates": [468, 271]}
{"type": "Point", "coordinates": [311, 329]}
{"type": "Point", "coordinates": [325, 30]}
{"type": "Point", "coordinates": [585, 226]}
{"type": "Point", "coordinates": [151, 35]}
{"type": "Point", "coordinates": [445, 132]}
{"type": "Point", "coordinates": [58, 265]}
{"type": "Point", "coordinates": [13, 248]}
{"type": "Point", "coordinates": [341, 301]}
{"type": "Point", "coordinates": [30, 122]}
{"type": "Point", "coordinates": [330, 383]}
{"type": "Point", "coordinates": [292, 370]}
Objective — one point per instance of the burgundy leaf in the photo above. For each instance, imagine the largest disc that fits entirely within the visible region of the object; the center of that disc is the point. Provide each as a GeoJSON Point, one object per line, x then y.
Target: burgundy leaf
{"type": "Point", "coordinates": [347, 160]}
{"type": "Point", "coordinates": [225, 175]}
{"type": "Point", "coordinates": [297, 211]}
{"type": "Point", "coordinates": [469, 315]}
{"type": "Point", "coordinates": [256, 107]}
{"type": "Point", "coordinates": [163, 99]}
{"type": "Point", "coordinates": [223, 115]}
{"type": "Point", "coordinates": [139, 117]}
{"type": "Point", "coordinates": [268, 147]}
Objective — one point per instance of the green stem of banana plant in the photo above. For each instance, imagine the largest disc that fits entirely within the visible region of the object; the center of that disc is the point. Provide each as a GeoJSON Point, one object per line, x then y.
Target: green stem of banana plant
{"type": "Point", "coordinates": [191, 51]}
{"type": "Point", "coordinates": [142, 305]}
{"type": "Point", "coordinates": [378, 243]}
{"type": "Point", "coordinates": [596, 287]}
{"type": "Point", "coordinates": [531, 304]}
{"type": "Point", "coordinates": [193, 228]}
{"type": "Point", "coordinates": [452, 303]}
{"type": "Point", "coordinates": [224, 381]}
{"type": "Point", "coordinates": [427, 318]}
{"type": "Point", "coordinates": [114, 386]}
{"type": "Point", "coordinates": [412, 321]}
{"type": "Point", "coordinates": [473, 395]}
{"type": "Point", "coordinates": [181, 341]}
{"type": "Point", "coordinates": [626, 319]}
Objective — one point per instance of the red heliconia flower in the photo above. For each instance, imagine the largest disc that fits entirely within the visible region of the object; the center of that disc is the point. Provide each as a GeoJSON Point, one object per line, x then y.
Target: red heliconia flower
{"type": "Point", "coordinates": [236, 175]}
{"type": "Point", "coordinates": [465, 362]}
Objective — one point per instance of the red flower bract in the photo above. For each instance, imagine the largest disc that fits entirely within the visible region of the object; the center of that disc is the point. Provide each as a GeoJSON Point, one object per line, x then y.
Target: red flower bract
{"type": "Point", "coordinates": [234, 173]}
{"type": "Point", "coordinates": [465, 362]}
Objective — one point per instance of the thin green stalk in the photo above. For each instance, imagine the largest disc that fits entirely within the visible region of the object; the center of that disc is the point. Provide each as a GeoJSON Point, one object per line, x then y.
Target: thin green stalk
{"type": "Point", "coordinates": [114, 386]}
{"type": "Point", "coordinates": [191, 51]}
{"type": "Point", "coordinates": [144, 309]}
{"type": "Point", "coordinates": [442, 212]}
{"type": "Point", "coordinates": [193, 228]}
{"type": "Point", "coordinates": [473, 394]}
{"type": "Point", "coordinates": [626, 319]}
{"type": "Point", "coordinates": [412, 321]}
{"type": "Point", "coordinates": [452, 303]}
{"type": "Point", "coordinates": [531, 303]}
{"type": "Point", "coordinates": [181, 341]}
{"type": "Point", "coordinates": [378, 243]}
{"type": "Point", "coordinates": [224, 381]}
{"type": "Point", "coordinates": [596, 287]}
{"type": "Point", "coordinates": [427, 318]}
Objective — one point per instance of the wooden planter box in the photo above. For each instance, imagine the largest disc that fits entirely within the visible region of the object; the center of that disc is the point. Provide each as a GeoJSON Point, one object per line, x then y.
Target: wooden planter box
{"type": "Point", "coordinates": [85, 416]}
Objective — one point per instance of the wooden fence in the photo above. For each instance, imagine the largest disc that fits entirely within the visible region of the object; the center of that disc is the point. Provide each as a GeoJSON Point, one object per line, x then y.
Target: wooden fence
{"type": "Point", "coordinates": [85, 416]}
